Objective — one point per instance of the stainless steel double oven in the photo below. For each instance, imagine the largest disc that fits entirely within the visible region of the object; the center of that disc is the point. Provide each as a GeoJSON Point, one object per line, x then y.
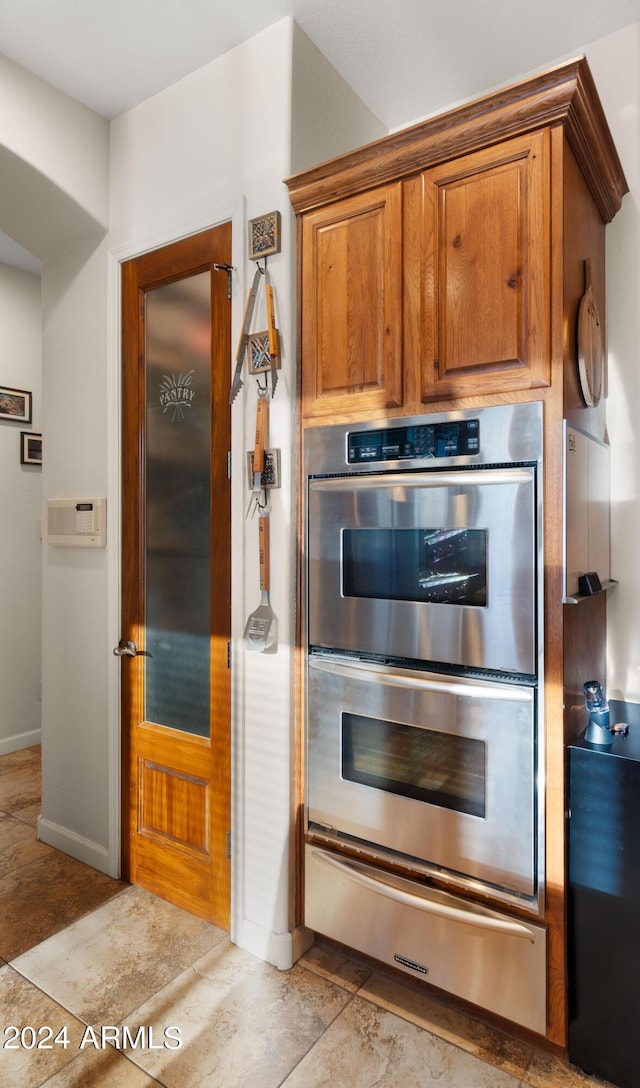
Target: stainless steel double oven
{"type": "Point", "coordinates": [424, 802]}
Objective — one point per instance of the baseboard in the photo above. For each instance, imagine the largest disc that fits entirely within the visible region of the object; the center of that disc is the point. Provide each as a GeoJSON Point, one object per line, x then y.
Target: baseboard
{"type": "Point", "coordinates": [302, 941]}
{"type": "Point", "coordinates": [91, 853]}
{"type": "Point", "coordinates": [280, 949]}
{"type": "Point", "coordinates": [20, 740]}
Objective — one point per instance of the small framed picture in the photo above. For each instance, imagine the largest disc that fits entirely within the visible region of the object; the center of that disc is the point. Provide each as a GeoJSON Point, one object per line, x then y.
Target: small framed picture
{"type": "Point", "coordinates": [271, 472]}
{"type": "Point", "coordinates": [15, 405]}
{"type": "Point", "coordinates": [258, 358]}
{"type": "Point", "coordinates": [264, 236]}
{"type": "Point", "coordinates": [30, 448]}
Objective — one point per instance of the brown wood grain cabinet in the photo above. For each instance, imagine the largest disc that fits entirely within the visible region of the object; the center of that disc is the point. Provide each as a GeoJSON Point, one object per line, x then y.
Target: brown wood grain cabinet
{"type": "Point", "coordinates": [443, 266]}
{"type": "Point", "coordinates": [352, 303]}
{"type": "Point", "coordinates": [473, 234]}
{"type": "Point", "coordinates": [431, 260]}
{"type": "Point", "coordinates": [485, 248]}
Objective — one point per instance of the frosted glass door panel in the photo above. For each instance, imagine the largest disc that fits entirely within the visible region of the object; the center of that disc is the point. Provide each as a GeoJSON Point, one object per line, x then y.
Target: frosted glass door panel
{"type": "Point", "coordinates": [177, 475]}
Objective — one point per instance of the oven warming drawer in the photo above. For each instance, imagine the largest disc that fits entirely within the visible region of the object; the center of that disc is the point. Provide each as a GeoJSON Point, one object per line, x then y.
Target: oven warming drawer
{"type": "Point", "coordinates": [495, 962]}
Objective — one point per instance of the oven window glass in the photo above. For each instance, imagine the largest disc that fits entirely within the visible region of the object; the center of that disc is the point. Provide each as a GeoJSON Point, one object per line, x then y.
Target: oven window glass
{"type": "Point", "coordinates": [442, 566]}
{"type": "Point", "coordinates": [439, 768]}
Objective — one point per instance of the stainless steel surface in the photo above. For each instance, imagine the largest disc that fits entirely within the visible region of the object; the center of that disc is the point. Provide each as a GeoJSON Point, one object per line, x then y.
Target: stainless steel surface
{"type": "Point", "coordinates": [497, 848]}
{"type": "Point", "coordinates": [611, 583]}
{"type": "Point", "coordinates": [586, 511]}
{"type": "Point", "coordinates": [509, 433]}
{"type": "Point", "coordinates": [499, 503]}
{"type": "Point", "coordinates": [439, 903]}
{"type": "Point", "coordinates": [427, 547]}
{"type": "Point", "coordinates": [385, 860]}
{"type": "Point", "coordinates": [129, 649]}
{"type": "Point", "coordinates": [478, 954]}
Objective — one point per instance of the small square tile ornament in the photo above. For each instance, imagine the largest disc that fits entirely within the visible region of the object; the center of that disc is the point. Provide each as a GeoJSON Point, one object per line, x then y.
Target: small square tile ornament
{"type": "Point", "coordinates": [264, 236]}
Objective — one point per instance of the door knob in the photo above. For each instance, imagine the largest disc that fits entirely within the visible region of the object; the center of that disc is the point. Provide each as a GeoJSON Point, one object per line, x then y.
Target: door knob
{"type": "Point", "coordinates": [129, 649]}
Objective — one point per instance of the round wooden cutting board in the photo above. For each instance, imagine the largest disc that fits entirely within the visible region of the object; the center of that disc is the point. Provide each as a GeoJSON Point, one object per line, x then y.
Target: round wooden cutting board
{"type": "Point", "coordinates": [590, 345]}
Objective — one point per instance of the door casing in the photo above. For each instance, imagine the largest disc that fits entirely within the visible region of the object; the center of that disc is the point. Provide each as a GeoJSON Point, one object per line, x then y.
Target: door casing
{"type": "Point", "coordinates": [179, 245]}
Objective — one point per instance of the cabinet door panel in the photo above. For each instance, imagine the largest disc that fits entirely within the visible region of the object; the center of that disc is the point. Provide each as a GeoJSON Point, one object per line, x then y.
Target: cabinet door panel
{"type": "Point", "coordinates": [486, 255]}
{"type": "Point", "coordinates": [352, 304]}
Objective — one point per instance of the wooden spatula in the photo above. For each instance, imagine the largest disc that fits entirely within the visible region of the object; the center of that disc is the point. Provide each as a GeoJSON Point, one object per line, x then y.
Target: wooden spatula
{"type": "Point", "coordinates": [260, 631]}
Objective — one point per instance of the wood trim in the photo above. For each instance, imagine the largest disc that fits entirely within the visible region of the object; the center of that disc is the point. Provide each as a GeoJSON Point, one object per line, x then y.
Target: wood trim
{"type": "Point", "coordinates": [590, 139]}
{"type": "Point", "coordinates": [555, 801]}
{"type": "Point", "coordinates": [298, 762]}
{"type": "Point", "coordinates": [198, 788]}
{"type": "Point", "coordinates": [131, 695]}
{"type": "Point", "coordinates": [562, 95]}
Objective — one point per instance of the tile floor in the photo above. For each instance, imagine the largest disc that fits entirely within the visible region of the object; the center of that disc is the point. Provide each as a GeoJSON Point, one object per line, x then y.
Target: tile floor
{"type": "Point", "coordinates": [104, 986]}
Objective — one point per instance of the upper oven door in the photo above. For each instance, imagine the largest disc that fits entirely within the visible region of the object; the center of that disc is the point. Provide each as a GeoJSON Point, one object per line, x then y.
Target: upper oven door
{"type": "Point", "coordinates": [431, 566]}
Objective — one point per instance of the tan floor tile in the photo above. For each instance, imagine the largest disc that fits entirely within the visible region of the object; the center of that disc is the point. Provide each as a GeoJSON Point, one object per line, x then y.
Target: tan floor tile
{"type": "Point", "coordinates": [29, 814]}
{"type": "Point", "coordinates": [367, 1045]}
{"type": "Point", "coordinates": [546, 1071]}
{"type": "Point", "coordinates": [24, 757]}
{"type": "Point", "coordinates": [242, 1022]}
{"type": "Point", "coordinates": [18, 844]}
{"type": "Point", "coordinates": [21, 787]}
{"type": "Point", "coordinates": [335, 967]}
{"type": "Point", "coordinates": [45, 896]}
{"type": "Point", "coordinates": [464, 1031]}
{"type": "Point", "coordinates": [24, 1006]}
{"type": "Point", "coordinates": [101, 1069]}
{"type": "Point", "coordinates": [110, 961]}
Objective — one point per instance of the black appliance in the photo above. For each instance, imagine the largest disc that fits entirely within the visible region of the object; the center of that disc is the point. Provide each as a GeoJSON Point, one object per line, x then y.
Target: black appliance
{"type": "Point", "coordinates": [604, 908]}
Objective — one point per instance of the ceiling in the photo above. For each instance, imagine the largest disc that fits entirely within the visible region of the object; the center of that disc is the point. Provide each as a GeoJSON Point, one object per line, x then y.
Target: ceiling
{"type": "Point", "coordinates": [405, 59]}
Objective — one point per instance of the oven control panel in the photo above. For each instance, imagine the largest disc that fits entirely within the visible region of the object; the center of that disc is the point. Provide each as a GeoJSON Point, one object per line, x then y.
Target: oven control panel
{"type": "Point", "coordinates": [459, 438]}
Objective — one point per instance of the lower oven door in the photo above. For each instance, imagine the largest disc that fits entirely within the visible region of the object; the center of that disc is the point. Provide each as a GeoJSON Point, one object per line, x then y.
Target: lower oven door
{"type": "Point", "coordinates": [435, 768]}
{"type": "Point", "coordinates": [496, 962]}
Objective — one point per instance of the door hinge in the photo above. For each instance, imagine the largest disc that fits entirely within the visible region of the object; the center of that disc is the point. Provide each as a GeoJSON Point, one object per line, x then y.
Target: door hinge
{"type": "Point", "coordinates": [228, 464]}
{"type": "Point", "coordinates": [228, 268]}
{"type": "Point", "coordinates": [229, 844]}
{"type": "Point", "coordinates": [229, 654]}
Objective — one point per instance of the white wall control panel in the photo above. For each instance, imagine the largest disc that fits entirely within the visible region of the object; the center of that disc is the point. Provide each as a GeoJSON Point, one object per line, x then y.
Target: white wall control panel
{"type": "Point", "coordinates": [77, 523]}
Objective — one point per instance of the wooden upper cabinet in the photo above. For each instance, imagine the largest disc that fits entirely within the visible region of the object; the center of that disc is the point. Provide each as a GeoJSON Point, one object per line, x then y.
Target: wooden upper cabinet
{"type": "Point", "coordinates": [485, 252]}
{"type": "Point", "coordinates": [352, 304]}
{"type": "Point", "coordinates": [432, 260]}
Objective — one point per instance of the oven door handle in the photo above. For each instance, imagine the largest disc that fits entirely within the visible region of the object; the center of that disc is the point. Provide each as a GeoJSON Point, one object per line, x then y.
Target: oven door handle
{"type": "Point", "coordinates": [393, 676]}
{"type": "Point", "coordinates": [470, 915]}
{"type": "Point", "coordinates": [457, 479]}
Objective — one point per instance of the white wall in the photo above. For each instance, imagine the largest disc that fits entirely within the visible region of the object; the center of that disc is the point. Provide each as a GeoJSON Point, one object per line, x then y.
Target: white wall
{"type": "Point", "coordinates": [54, 163]}
{"type": "Point", "coordinates": [20, 544]}
{"type": "Point", "coordinates": [327, 118]}
{"type": "Point", "coordinates": [615, 62]}
{"type": "Point", "coordinates": [76, 651]}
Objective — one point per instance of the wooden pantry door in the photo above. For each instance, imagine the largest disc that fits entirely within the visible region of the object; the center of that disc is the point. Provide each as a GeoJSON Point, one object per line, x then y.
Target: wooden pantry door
{"type": "Point", "coordinates": [176, 592]}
